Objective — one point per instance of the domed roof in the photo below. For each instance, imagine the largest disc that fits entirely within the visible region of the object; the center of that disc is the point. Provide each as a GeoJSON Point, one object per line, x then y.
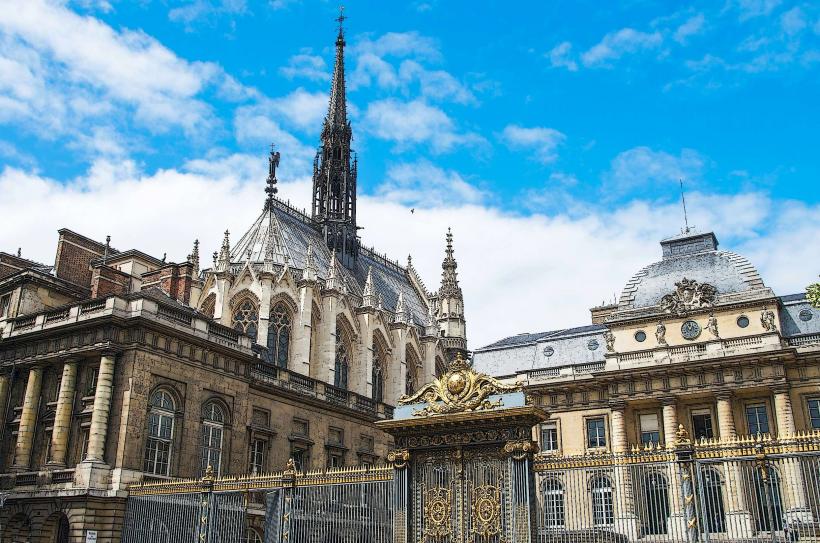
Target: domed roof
{"type": "Point", "coordinates": [694, 257]}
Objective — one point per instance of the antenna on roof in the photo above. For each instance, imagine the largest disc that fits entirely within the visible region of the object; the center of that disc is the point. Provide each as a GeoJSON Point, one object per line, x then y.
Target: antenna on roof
{"type": "Point", "coordinates": [683, 201]}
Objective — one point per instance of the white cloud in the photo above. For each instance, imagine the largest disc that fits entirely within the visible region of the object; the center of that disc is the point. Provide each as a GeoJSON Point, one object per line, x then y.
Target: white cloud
{"type": "Point", "coordinates": [399, 44]}
{"type": "Point", "coordinates": [415, 122]}
{"type": "Point", "coordinates": [691, 27]}
{"type": "Point", "coordinates": [756, 8]}
{"type": "Point", "coordinates": [511, 267]}
{"type": "Point", "coordinates": [561, 57]}
{"type": "Point", "coordinates": [199, 10]}
{"type": "Point", "coordinates": [68, 55]}
{"type": "Point", "coordinates": [424, 184]}
{"type": "Point", "coordinates": [641, 166]}
{"type": "Point", "coordinates": [305, 65]}
{"type": "Point", "coordinates": [541, 141]}
{"type": "Point", "coordinates": [617, 44]}
{"type": "Point", "coordinates": [302, 108]}
{"type": "Point", "coordinates": [435, 84]}
{"type": "Point", "coordinates": [255, 127]}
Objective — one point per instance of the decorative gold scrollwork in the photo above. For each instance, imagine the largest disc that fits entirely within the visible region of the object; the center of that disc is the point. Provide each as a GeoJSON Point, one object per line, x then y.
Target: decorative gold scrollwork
{"type": "Point", "coordinates": [519, 450]}
{"type": "Point", "coordinates": [460, 389]}
{"type": "Point", "coordinates": [399, 458]}
{"type": "Point", "coordinates": [486, 511]}
{"type": "Point", "coordinates": [437, 504]}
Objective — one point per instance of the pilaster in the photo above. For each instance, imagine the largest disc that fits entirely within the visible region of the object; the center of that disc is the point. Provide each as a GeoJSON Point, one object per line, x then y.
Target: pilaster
{"type": "Point", "coordinates": [102, 406]}
{"type": "Point", "coordinates": [28, 420]}
{"type": "Point", "coordinates": [62, 416]}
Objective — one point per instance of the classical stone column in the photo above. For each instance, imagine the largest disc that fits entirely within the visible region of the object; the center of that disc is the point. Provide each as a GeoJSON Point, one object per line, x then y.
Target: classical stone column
{"type": "Point", "coordinates": [726, 419]}
{"type": "Point", "coordinates": [792, 484]}
{"type": "Point", "coordinates": [676, 524]}
{"type": "Point", "coordinates": [28, 420]}
{"type": "Point", "coordinates": [5, 380]}
{"type": "Point", "coordinates": [738, 517]}
{"type": "Point", "coordinates": [102, 406]}
{"type": "Point", "coordinates": [303, 329]}
{"type": "Point", "coordinates": [625, 520]}
{"type": "Point", "coordinates": [62, 416]}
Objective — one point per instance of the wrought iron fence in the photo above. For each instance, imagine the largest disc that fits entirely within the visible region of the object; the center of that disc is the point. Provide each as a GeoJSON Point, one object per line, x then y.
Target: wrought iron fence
{"type": "Point", "coordinates": [750, 490]}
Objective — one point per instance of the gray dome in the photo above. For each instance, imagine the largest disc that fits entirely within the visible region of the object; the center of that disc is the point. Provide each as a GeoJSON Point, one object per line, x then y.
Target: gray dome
{"type": "Point", "coordinates": [694, 257]}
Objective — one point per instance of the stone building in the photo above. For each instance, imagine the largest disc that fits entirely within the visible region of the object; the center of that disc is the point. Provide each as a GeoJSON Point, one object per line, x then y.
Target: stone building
{"type": "Point", "coordinates": [117, 366]}
{"type": "Point", "coordinates": [696, 339]}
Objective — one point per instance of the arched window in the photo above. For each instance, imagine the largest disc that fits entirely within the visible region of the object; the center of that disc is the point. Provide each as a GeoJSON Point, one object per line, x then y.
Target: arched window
{"type": "Point", "coordinates": [602, 510]}
{"type": "Point", "coordinates": [209, 306]}
{"type": "Point", "coordinates": [342, 364]}
{"type": "Point", "coordinates": [279, 335]}
{"type": "Point", "coordinates": [246, 318]}
{"type": "Point", "coordinates": [769, 500]}
{"type": "Point", "coordinates": [553, 493]}
{"type": "Point", "coordinates": [252, 536]}
{"type": "Point", "coordinates": [713, 509]}
{"type": "Point", "coordinates": [656, 500]}
{"type": "Point", "coordinates": [161, 409]}
{"type": "Point", "coordinates": [378, 373]}
{"type": "Point", "coordinates": [213, 429]}
{"type": "Point", "coordinates": [413, 371]}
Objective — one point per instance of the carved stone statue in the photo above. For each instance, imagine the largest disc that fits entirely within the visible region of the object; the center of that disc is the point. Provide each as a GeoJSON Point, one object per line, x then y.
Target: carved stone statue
{"type": "Point", "coordinates": [688, 295]}
{"type": "Point", "coordinates": [609, 337]}
{"type": "Point", "coordinates": [767, 320]}
{"type": "Point", "coordinates": [660, 333]}
{"type": "Point", "coordinates": [712, 325]}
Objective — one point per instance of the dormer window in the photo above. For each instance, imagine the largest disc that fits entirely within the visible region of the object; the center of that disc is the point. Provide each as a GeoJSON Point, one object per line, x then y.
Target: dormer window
{"type": "Point", "coordinates": [5, 302]}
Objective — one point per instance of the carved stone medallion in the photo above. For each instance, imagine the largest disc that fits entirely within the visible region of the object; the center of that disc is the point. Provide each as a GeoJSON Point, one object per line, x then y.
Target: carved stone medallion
{"type": "Point", "coordinates": [689, 295]}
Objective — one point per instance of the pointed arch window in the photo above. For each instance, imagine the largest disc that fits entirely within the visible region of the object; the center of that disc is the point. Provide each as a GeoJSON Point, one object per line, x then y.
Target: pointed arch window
{"type": "Point", "coordinates": [342, 364]}
{"type": "Point", "coordinates": [213, 430]}
{"type": "Point", "coordinates": [209, 306]}
{"type": "Point", "coordinates": [413, 371]}
{"type": "Point", "coordinates": [160, 433]}
{"type": "Point", "coordinates": [378, 374]}
{"type": "Point", "coordinates": [279, 335]}
{"type": "Point", "coordinates": [246, 318]}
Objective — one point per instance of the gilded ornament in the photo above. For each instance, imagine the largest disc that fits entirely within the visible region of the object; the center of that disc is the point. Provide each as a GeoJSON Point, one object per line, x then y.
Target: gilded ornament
{"type": "Point", "coordinates": [460, 389]}
{"type": "Point", "coordinates": [519, 450]}
{"type": "Point", "coordinates": [486, 511]}
{"type": "Point", "coordinates": [399, 458]}
{"type": "Point", "coordinates": [437, 502]}
{"type": "Point", "coordinates": [682, 436]}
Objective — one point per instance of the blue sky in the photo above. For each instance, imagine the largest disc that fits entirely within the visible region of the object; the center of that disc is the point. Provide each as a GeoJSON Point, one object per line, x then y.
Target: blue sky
{"type": "Point", "coordinates": [551, 136]}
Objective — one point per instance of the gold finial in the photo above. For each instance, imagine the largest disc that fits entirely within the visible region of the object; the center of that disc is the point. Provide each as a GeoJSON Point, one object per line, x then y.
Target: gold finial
{"type": "Point", "coordinates": [290, 468]}
{"type": "Point", "coordinates": [209, 474]}
{"type": "Point", "coordinates": [682, 436]}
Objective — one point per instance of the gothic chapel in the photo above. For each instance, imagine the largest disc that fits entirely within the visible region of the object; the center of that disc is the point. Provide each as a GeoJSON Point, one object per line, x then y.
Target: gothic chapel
{"type": "Point", "coordinates": [317, 302]}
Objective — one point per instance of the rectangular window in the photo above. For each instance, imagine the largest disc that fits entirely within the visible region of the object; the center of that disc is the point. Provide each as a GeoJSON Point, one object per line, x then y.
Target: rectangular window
{"type": "Point", "coordinates": [334, 460]}
{"type": "Point", "coordinates": [814, 413]}
{"type": "Point", "coordinates": [596, 433]}
{"type": "Point", "coordinates": [549, 437]}
{"type": "Point", "coordinates": [367, 443]}
{"type": "Point", "coordinates": [758, 419]}
{"type": "Point", "coordinates": [300, 458]}
{"type": "Point", "coordinates": [336, 436]}
{"type": "Point", "coordinates": [5, 301]}
{"type": "Point", "coordinates": [300, 427]}
{"type": "Point", "coordinates": [257, 456]}
{"type": "Point", "coordinates": [702, 424]}
{"type": "Point", "coordinates": [650, 429]}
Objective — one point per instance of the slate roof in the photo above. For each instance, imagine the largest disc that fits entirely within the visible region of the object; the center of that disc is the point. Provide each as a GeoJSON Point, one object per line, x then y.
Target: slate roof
{"type": "Point", "coordinates": [527, 338]}
{"type": "Point", "coordinates": [293, 231]}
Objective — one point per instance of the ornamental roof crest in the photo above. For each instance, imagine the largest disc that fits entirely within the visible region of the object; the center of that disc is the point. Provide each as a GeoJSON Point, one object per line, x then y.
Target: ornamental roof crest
{"type": "Point", "coordinates": [689, 295]}
{"type": "Point", "coordinates": [460, 389]}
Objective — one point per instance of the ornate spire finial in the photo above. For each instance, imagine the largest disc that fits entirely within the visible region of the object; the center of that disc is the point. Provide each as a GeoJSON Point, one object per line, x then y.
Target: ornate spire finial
{"type": "Point", "coordinates": [195, 258]}
{"type": "Point", "coordinates": [273, 163]}
{"type": "Point", "coordinates": [341, 19]}
{"type": "Point", "coordinates": [401, 308]}
{"type": "Point", "coordinates": [332, 283]}
{"type": "Point", "coordinates": [310, 264]}
{"type": "Point", "coordinates": [449, 277]}
{"type": "Point", "coordinates": [224, 259]}
{"type": "Point", "coordinates": [430, 327]}
{"type": "Point", "coordinates": [368, 298]}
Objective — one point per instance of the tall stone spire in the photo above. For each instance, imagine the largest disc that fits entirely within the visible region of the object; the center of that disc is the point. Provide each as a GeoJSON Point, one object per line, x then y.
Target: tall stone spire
{"type": "Point", "coordinates": [224, 260]}
{"type": "Point", "coordinates": [334, 169]}
{"type": "Point", "coordinates": [450, 316]}
{"type": "Point", "coordinates": [195, 259]}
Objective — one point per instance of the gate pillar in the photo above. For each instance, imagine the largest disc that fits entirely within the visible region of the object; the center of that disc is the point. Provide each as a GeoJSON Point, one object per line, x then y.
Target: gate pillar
{"type": "Point", "coordinates": [463, 467]}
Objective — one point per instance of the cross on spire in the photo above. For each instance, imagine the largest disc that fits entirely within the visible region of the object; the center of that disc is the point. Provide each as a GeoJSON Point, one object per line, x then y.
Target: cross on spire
{"type": "Point", "coordinates": [341, 19]}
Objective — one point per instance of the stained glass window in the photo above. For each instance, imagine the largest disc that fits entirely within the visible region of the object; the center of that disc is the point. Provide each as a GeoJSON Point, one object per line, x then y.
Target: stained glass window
{"type": "Point", "coordinates": [342, 364]}
{"type": "Point", "coordinates": [246, 318]}
{"type": "Point", "coordinates": [279, 335]}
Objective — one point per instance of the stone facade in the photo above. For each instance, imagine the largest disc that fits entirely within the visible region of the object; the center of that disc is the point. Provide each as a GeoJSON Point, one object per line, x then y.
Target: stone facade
{"type": "Point", "coordinates": [697, 340]}
{"type": "Point", "coordinates": [118, 367]}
